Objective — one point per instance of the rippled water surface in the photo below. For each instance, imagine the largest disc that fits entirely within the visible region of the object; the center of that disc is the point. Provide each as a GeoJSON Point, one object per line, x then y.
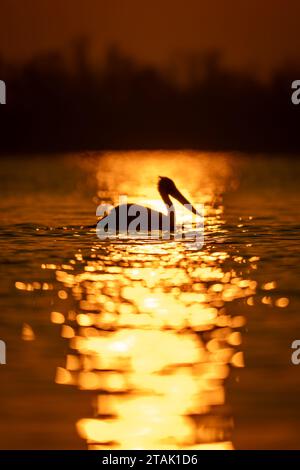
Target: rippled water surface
{"type": "Point", "coordinates": [149, 344]}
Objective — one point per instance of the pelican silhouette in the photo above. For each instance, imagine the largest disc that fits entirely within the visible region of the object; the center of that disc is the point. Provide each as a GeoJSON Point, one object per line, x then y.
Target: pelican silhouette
{"type": "Point", "coordinates": [143, 219]}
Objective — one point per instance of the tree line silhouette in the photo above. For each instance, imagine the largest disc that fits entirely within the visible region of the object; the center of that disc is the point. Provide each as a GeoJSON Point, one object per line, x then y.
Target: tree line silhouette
{"type": "Point", "coordinates": [122, 104]}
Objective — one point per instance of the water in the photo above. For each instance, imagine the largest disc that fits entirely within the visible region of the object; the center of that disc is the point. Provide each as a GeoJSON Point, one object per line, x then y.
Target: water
{"type": "Point", "coordinates": [149, 344]}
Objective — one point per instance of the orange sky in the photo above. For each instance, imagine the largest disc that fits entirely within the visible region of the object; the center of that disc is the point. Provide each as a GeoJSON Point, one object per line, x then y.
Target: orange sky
{"type": "Point", "coordinates": [257, 34]}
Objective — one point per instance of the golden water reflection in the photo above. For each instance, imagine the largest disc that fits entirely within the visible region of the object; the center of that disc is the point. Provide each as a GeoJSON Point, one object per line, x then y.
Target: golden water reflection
{"type": "Point", "coordinates": [151, 335]}
{"type": "Point", "coordinates": [149, 331]}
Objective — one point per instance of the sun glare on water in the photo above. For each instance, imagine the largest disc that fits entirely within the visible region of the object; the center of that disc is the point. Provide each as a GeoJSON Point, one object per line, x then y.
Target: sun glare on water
{"type": "Point", "coordinates": [151, 335]}
{"type": "Point", "coordinates": [153, 328]}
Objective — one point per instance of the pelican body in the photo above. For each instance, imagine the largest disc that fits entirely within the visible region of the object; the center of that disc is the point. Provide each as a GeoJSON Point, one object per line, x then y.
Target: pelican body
{"type": "Point", "coordinates": [132, 218]}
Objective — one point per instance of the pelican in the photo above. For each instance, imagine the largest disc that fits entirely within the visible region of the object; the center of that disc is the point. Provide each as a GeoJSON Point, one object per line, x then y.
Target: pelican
{"type": "Point", "coordinates": [136, 218]}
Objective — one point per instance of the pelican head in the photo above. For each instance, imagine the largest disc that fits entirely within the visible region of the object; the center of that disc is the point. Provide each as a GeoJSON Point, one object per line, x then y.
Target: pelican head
{"type": "Point", "coordinates": [167, 187]}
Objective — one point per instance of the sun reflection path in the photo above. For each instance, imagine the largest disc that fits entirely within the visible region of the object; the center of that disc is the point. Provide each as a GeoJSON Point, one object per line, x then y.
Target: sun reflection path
{"type": "Point", "coordinates": [151, 335]}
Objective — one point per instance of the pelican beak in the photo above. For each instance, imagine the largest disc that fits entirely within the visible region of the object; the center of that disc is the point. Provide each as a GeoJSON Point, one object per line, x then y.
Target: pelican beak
{"type": "Point", "coordinates": [180, 198]}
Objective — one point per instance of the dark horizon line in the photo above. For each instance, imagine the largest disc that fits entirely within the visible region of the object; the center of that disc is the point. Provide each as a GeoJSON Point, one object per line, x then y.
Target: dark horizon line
{"type": "Point", "coordinates": [124, 105]}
